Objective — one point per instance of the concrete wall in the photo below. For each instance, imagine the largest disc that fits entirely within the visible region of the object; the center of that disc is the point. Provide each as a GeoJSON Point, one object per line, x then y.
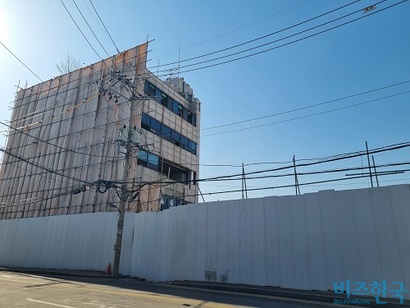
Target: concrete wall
{"type": "Point", "coordinates": [303, 242]}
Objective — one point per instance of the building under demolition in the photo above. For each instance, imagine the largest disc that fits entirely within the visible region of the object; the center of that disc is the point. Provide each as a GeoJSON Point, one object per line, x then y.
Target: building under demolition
{"type": "Point", "coordinates": [111, 131]}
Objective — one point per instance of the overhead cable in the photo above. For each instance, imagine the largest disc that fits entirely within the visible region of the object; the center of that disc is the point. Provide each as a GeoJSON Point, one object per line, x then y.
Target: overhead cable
{"type": "Point", "coordinates": [309, 115]}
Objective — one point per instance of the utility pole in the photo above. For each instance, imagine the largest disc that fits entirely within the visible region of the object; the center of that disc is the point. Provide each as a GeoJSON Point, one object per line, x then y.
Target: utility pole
{"type": "Point", "coordinates": [375, 172]}
{"type": "Point", "coordinates": [199, 189]}
{"type": "Point", "coordinates": [244, 189]}
{"type": "Point", "coordinates": [296, 177]}
{"type": "Point", "coordinates": [370, 167]}
{"type": "Point", "coordinates": [130, 158]}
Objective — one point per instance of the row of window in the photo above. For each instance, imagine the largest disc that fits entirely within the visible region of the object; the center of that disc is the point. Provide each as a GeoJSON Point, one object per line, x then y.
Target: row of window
{"type": "Point", "coordinates": [156, 163]}
{"type": "Point", "coordinates": [167, 133]}
{"type": "Point", "coordinates": [169, 103]}
{"type": "Point", "coordinates": [148, 160]}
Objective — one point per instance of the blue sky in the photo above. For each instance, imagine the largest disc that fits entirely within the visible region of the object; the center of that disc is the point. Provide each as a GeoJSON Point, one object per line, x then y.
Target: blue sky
{"type": "Point", "coordinates": [370, 53]}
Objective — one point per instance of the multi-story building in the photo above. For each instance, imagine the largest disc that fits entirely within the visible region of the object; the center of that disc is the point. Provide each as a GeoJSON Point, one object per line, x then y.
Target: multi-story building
{"type": "Point", "coordinates": [113, 130]}
{"type": "Point", "coordinates": [170, 119]}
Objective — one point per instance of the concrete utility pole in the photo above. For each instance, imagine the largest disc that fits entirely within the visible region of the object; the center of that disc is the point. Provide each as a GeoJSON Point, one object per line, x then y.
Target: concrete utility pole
{"type": "Point", "coordinates": [130, 159]}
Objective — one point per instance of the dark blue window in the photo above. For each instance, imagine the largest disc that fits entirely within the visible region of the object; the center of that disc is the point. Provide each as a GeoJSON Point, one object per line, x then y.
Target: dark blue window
{"type": "Point", "coordinates": [166, 132]}
{"type": "Point", "coordinates": [192, 147]}
{"type": "Point", "coordinates": [148, 160]}
{"type": "Point", "coordinates": [164, 99]}
{"type": "Point", "coordinates": [175, 106]}
{"type": "Point", "coordinates": [145, 121]}
{"type": "Point", "coordinates": [155, 126]}
{"type": "Point", "coordinates": [180, 110]}
{"type": "Point", "coordinates": [175, 137]}
{"type": "Point", "coordinates": [153, 161]}
{"type": "Point", "coordinates": [185, 114]}
{"type": "Point", "coordinates": [150, 89]}
{"type": "Point", "coordinates": [158, 95]}
{"type": "Point", "coordinates": [143, 155]}
{"type": "Point", "coordinates": [169, 103]}
{"type": "Point", "coordinates": [184, 142]}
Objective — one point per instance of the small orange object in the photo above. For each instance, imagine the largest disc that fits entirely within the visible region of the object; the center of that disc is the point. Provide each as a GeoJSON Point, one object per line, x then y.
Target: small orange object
{"type": "Point", "coordinates": [109, 268]}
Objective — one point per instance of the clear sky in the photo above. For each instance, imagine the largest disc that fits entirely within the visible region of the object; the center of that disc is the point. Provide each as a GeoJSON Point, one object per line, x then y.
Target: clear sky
{"type": "Point", "coordinates": [370, 53]}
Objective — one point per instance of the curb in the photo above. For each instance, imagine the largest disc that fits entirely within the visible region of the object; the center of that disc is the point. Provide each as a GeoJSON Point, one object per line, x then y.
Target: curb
{"type": "Point", "coordinates": [55, 272]}
{"type": "Point", "coordinates": [305, 295]}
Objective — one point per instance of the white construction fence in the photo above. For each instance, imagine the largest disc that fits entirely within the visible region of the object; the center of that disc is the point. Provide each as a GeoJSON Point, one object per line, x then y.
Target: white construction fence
{"type": "Point", "coordinates": [303, 242]}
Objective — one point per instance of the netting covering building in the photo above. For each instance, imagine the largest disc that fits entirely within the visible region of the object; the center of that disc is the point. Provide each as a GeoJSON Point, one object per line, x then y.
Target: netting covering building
{"type": "Point", "coordinates": [80, 142]}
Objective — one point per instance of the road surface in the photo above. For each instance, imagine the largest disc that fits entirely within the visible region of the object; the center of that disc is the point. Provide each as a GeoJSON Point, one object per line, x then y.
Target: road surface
{"type": "Point", "coordinates": [28, 290]}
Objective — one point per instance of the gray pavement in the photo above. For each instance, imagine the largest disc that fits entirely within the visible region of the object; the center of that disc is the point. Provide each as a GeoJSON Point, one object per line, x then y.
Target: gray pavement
{"type": "Point", "coordinates": [299, 297]}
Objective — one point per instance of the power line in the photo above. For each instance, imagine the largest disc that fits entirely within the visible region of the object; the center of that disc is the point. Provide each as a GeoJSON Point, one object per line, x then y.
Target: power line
{"type": "Point", "coordinates": [106, 30]}
{"type": "Point", "coordinates": [227, 33]}
{"type": "Point", "coordinates": [82, 101]}
{"type": "Point", "coordinates": [49, 143]}
{"type": "Point", "coordinates": [103, 62]}
{"type": "Point", "coordinates": [287, 43]}
{"type": "Point", "coordinates": [328, 159]}
{"type": "Point", "coordinates": [289, 185]}
{"type": "Point", "coordinates": [79, 29]}
{"type": "Point", "coordinates": [75, 3]}
{"type": "Point", "coordinates": [79, 189]}
{"type": "Point", "coordinates": [21, 61]}
{"type": "Point", "coordinates": [308, 116]}
{"type": "Point", "coordinates": [338, 170]}
{"type": "Point", "coordinates": [258, 38]}
{"type": "Point", "coordinates": [308, 106]}
{"type": "Point", "coordinates": [278, 40]}
{"type": "Point", "coordinates": [39, 166]}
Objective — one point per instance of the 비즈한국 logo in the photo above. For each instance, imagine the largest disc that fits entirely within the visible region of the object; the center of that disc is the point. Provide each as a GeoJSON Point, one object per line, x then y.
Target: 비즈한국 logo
{"type": "Point", "coordinates": [377, 289]}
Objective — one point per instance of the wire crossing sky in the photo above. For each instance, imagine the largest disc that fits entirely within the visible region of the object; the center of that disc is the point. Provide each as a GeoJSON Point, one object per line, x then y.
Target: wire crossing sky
{"type": "Point", "coordinates": [275, 78]}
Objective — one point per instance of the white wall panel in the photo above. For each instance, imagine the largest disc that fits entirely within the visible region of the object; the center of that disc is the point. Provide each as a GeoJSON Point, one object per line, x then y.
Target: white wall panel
{"type": "Point", "coordinates": [332, 237]}
{"type": "Point", "coordinates": [400, 197]}
{"type": "Point", "coordinates": [228, 262]}
{"type": "Point", "coordinates": [151, 246]}
{"type": "Point", "coordinates": [127, 238]}
{"type": "Point", "coordinates": [272, 264]}
{"type": "Point", "coordinates": [172, 239]}
{"type": "Point", "coordinates": [287, 270]}
{"type": "Point", "coordinates": [211, 240]}
{"type": "Point", "coordinates": [222, 267]}
{"type": "Point", "coordinates": [179, 249]}
{"type": "Point", "coordinates": [192, 233]}
{"type": "Point", "coordinates": [315, 243]}
{"type": "Point", "coordinates": [305, 242]}
{"type": "Point", "coordinates": [300, 243]}
{"type": "Point", "coordinates": [366, 235]}
{"type": "Point", "coordinates": [349, 244]}
{"type": "Point", "coordinates": [62, 242]}
{"type": "Point", "coordinates": [386, 235]}
{"type": "Point", "coordinates": [49, 243]}
{"type": "Point", "coordinates": [258, 241]}
{"type": "Point", "coordinates": [200, 242]}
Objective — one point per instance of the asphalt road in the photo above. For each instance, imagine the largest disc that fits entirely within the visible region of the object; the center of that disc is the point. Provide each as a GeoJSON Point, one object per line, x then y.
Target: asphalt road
{"type": "Point", "coordinates": [27, 290]}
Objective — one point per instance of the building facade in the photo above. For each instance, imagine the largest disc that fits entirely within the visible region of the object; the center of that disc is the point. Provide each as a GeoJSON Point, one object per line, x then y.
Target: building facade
{"type": "Point", "coordinates": [111, 131]}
